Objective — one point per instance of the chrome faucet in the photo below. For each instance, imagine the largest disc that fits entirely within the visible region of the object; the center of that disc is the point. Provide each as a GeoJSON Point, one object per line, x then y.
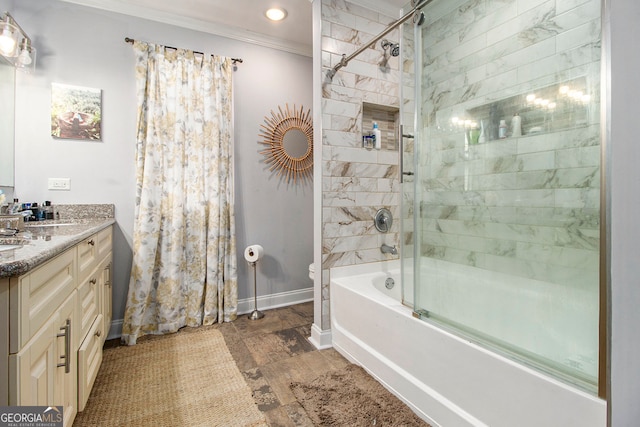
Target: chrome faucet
{"type": "Point", "coordinates": [386, 249]}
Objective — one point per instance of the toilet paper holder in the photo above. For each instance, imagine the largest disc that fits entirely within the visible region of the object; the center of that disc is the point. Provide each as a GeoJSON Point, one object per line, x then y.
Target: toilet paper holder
{"type": "Point", "coordinates": [252, 254]}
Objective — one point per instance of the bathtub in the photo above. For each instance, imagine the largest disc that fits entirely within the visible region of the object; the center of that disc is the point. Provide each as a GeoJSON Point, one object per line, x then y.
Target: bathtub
{"type": "Point", "coordinates": [445, 379]}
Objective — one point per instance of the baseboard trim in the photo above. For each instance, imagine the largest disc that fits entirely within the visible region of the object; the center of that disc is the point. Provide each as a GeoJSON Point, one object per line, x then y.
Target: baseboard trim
{"type": "Point", "coordinates": [281, 299]}
{"type": "Point", "coordinates": [265, 302]}
{"type": "Point", "coordinates": [319, 338]}
{"type": "Point", "coordinates": [116, 329]}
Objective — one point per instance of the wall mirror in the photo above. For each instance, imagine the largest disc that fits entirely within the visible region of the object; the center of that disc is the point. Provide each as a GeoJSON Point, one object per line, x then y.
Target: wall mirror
{"type": "Point", "coordinates": [7, 114]}
{"type": "Point", "coordinates": [288, 136]}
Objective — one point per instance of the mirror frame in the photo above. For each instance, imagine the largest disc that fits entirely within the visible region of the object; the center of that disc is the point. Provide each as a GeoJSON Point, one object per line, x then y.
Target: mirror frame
{"type": "Point", "coordinates": [273, 131]}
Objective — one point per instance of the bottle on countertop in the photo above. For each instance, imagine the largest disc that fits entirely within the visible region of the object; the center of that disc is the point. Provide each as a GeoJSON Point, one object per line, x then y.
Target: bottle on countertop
{"type": "Point", "coordinates": [34, 212]}
{"type": "Point", "coordinates": [14, 207]}
{"type": "Point", "coordinates": [377, 136]}
{"type": "Point", "coordinates": [48, 210]}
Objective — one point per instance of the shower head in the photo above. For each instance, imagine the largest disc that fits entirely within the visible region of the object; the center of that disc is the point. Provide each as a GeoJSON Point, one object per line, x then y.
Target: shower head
{"type": "Point", "coordinates": [395, 47]}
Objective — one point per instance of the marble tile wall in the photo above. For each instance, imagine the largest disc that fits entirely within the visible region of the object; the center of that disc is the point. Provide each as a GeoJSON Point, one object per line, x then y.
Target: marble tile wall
{"type": "Point", "coordinates": [355, 182]}
{"type": "Point", "coordinates": [528, 205]}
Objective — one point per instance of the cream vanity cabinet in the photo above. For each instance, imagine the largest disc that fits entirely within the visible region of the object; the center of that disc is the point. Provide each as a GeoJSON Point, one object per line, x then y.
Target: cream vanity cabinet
{"type": "Point", "coordinates": [54, 326]}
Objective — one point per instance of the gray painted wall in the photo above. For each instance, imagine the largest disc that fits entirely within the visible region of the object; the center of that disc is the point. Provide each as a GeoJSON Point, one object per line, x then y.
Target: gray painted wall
{"type": "Point", "coordinates": [625, 212]}
{"type": "Point", "coordinates": [84, 46]}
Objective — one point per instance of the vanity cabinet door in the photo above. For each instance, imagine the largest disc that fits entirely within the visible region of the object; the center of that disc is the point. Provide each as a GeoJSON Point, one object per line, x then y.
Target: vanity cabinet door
{"type": "Point", "coordinates": [66, 374]}
{"type": "Point", "coordinates": [35, 369]}
{"type": "Point", "coordinates": [46, 372]}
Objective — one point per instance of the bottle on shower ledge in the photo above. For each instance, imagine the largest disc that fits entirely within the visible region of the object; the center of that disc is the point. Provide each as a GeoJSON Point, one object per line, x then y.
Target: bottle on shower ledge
{"type": "Point", "coordinates": [502, 129]}
{"type": "Point", "coordinates": [483, 133]}
{"type": "Point", "coordinates": [516, 125]}
{"type": "Point", "coordinates": [377, 135]}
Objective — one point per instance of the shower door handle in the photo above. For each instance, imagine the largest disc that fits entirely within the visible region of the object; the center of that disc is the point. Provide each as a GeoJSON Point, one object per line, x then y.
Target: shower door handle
{"type": "Point", "coordinates": [401, 136]}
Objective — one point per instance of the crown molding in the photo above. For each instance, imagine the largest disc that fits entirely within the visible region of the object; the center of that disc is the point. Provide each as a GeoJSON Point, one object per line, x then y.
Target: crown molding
{"type": "Point", "coordinates": [198, 25]}
{"type": "Point", "coordinates": [382, 6]}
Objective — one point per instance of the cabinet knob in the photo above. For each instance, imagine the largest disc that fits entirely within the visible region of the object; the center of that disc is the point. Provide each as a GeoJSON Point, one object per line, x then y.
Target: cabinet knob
{"type": "Point", "coordinates": [93, 281]}
{"type": "Point", "coordinates": [98, 332]}
{"type": "Point", "coordinates": [91, 242]}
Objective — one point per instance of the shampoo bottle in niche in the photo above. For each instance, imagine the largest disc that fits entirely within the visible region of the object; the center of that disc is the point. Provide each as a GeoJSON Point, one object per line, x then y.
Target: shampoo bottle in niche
{"type": "Point", "coordinates": [516, 125]}
{"type": "Point", "coordinates": [377, 136]}
{"type": "Point", "coordinates": [483, 133]}
{"type": "Point", "coordinates": [502, 129]}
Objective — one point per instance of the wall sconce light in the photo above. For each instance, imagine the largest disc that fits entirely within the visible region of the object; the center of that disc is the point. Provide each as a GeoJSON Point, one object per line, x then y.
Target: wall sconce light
{"type": "Point", "coordinates": [15, 44]}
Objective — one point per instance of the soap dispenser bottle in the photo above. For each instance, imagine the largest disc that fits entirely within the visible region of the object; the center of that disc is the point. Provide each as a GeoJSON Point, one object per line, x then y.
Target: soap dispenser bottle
{"type": "Point", "coordinates": [377, 136]}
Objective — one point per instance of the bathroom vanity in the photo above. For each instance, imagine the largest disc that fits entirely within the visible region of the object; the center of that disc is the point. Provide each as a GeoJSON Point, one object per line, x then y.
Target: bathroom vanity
{"type": "Point", "coordinates": [55, 313]}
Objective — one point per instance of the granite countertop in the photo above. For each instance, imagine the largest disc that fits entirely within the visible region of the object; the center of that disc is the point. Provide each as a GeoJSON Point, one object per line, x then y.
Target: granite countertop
{"type": "Point", "coordinates": [46, 239]}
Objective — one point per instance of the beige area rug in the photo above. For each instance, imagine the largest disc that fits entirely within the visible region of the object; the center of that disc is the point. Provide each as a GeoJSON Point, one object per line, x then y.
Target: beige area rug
{"type": "Point", "coordinates": [350, 397]}
{"type": "Point", "coordinates": [183, 379]}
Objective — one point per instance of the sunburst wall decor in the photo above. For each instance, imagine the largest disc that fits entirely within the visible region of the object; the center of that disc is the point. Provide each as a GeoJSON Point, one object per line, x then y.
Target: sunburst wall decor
{"type": "Point", "coordinates": [288, 136]}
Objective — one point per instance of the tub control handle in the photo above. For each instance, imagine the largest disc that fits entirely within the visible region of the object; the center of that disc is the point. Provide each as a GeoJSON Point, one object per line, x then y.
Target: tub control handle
{"type": "Point", "coordinates": [383, 220]}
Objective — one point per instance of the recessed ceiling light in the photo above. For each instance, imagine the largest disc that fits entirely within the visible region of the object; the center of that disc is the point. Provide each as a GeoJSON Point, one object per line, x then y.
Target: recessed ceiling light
{"type": "Point", "coordinates": [276, 14]}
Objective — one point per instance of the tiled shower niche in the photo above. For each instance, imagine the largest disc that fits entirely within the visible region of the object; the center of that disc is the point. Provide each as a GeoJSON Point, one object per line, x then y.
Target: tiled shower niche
{"type": "Point", "coordinates": [552, 108]}
{"type": "Point", "coordinates": [387, 118]}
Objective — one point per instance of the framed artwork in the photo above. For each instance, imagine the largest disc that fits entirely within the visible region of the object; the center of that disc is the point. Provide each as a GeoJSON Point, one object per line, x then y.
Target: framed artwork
{"type": "Point", "coordinates": [76, 112]}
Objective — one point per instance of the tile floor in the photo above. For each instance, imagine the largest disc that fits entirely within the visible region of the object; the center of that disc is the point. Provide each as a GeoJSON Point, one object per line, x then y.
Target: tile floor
{"type": "Point", "coordinates": [271, 353]}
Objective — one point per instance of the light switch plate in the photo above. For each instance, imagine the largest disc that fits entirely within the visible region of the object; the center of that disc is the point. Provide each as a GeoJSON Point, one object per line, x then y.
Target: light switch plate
{"type": "Point", "coordinates": [60, 184]}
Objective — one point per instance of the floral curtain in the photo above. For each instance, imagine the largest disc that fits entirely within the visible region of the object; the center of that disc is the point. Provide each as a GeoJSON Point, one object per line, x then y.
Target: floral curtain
{"type": "Point", "coordinates": [184, 270]}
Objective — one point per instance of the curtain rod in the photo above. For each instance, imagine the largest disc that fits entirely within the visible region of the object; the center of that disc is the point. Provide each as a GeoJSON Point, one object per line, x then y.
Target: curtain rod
{"type": "Point", "coordinates": [344, 61]}
{"type": "Point", "coordinates": [234, 60]}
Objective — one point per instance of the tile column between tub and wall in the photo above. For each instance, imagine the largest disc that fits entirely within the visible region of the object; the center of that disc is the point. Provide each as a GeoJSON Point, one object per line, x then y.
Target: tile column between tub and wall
{"type": "Point", "coordinates": [355, 182]}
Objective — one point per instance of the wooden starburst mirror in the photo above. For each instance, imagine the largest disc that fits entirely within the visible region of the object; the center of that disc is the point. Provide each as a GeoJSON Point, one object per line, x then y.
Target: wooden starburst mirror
{"type": "Point", "coordinates": [288, 136]}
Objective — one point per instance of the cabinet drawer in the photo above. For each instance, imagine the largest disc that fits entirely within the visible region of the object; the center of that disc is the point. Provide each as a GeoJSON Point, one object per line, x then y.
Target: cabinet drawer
{"type": "Point", "coordinates": [87, 256]}
{"type": "Point", "coordinates": [89, 360]}
{"type": "Point", "coordinates": [104, 241]}
{"type": "Point", "coordinates": [34, 297]}
{"type": "Point", "coordinates": [88, 302]}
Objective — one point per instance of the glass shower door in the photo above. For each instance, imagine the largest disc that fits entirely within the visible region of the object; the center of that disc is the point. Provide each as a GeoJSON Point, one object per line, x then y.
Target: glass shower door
{"type": "Point", "coordinates": [507, 187]}
{"type": "Point", "coordinates": [407, 157]}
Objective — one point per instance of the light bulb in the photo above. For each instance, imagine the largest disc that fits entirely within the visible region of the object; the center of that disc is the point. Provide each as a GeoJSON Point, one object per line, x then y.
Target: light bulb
{"type": "Point", "coordinates": [7, 40]}
{"type": "Point", "coordinates": [24, 58]}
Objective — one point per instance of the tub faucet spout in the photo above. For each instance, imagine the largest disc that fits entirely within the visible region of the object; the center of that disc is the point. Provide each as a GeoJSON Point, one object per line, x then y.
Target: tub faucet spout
{"type": "Point", "coordinates": [386, 249]}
